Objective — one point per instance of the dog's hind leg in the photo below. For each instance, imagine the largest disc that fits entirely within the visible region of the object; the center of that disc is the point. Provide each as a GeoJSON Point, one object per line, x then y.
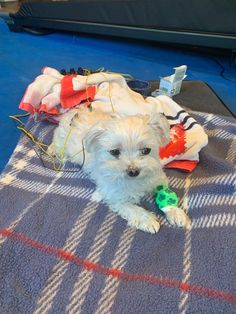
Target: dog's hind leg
{"type": "Point", "coordinates": [96, 197]}
{"type": "Point", "coordinates": [51, 150]}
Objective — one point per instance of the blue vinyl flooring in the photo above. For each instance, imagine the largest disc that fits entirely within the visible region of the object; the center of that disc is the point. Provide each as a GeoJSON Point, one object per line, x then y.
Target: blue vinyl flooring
{"type": "Point", "coordinates": [22, 56]}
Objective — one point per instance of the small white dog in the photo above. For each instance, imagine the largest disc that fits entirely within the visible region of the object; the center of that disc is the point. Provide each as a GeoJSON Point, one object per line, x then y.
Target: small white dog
{"type": "Point", "coordinates": [121, 157]}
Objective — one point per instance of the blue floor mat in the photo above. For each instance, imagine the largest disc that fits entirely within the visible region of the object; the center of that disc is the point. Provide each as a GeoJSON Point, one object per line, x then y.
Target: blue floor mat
{"type": "Point", "coordinates": [23, 55]}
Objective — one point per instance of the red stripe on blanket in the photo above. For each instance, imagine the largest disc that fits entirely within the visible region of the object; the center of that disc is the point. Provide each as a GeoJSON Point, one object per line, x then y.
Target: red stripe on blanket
{"type": "Point", "coordinates": [166, 282]}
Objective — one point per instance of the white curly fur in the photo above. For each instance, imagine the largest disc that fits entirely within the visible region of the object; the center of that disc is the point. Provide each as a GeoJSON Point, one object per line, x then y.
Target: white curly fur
{"type": "Point", "coordinates": [101, 133]}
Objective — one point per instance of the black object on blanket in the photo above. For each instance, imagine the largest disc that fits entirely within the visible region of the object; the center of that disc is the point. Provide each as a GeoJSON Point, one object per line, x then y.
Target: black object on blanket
{"type": "Point", "coordinates": [62, 253]}
{"type": "Point", "coordinates": [197, 95]}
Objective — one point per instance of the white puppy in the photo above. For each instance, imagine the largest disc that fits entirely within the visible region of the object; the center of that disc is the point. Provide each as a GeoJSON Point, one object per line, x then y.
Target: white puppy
{"type": "Point", "coordinates": [121, 157]}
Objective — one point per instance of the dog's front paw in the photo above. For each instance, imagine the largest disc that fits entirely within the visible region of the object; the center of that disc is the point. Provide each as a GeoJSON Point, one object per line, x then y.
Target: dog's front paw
{"type": "Point", "coordinates": [146, 222]}
{"type": "Point", "coordinates": [177, 217]}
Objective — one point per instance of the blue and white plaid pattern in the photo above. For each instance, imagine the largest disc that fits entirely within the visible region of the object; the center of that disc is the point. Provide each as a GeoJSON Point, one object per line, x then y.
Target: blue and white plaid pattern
{"type": "Point", "coordinates": [54, 210]}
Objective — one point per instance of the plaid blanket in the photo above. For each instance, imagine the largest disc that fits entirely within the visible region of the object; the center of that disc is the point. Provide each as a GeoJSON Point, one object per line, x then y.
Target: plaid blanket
{"type": "Point", "coordinates": [62, 253]}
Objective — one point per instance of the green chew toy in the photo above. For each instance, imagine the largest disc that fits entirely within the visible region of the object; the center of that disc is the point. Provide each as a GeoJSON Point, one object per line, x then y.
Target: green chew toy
{"type": "Point", "coordinates": [164, 197]}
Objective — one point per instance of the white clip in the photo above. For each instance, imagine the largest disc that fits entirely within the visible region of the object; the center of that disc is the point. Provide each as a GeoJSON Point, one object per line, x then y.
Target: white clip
{"type": "Point", "coordinates": [171, 85]}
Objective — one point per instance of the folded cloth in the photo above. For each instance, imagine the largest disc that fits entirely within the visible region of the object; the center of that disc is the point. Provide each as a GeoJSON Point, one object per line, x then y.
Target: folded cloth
{"type": "Point", "coordinates": [54, 93]}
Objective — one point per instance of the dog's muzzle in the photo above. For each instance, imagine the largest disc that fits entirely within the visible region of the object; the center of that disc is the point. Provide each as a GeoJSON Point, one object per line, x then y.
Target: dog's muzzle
{"type": "Point", "coordinates": [133, 171]}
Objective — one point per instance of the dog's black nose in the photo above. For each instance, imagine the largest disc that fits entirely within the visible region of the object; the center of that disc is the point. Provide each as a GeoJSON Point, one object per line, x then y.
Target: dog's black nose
{"type": "Point", "coordinates": [133, 172]}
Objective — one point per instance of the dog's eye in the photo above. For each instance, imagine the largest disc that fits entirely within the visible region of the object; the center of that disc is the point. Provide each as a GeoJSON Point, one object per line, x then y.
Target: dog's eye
{"type": "Point", "coordinates": [145, 151]}
{"type": "Point", "coordinates": [115, 152]}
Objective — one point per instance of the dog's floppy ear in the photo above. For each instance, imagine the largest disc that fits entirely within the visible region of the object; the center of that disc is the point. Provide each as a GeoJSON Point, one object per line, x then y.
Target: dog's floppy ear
{"type": "Point", "coordinates": [159, 123]}
{"type": "Point", "coordinates": [92, 137]}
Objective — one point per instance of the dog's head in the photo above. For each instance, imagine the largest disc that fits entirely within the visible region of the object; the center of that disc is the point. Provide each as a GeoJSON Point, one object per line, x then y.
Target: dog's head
{"type": "Point", "coordinates": [128, 147]}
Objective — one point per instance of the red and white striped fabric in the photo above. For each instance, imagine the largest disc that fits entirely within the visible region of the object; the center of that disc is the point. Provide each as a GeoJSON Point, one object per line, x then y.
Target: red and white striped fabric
{"type": "Point", "coordinates": [54, 94]}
